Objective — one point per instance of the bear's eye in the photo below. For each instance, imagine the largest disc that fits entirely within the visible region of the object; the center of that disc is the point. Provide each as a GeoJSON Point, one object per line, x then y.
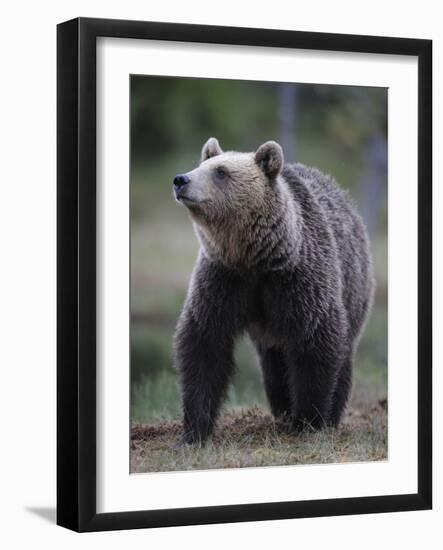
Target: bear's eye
{"type": "Point", "coordinates": [220, 173]}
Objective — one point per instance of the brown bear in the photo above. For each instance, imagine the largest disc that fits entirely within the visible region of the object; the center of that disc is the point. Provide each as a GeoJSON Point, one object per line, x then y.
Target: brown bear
{"type": "Point", "coordinates": [285, 257]}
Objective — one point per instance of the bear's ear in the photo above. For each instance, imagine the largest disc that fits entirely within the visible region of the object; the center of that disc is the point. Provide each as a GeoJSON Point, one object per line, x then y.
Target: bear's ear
{"type": "Point", "coordinates": [269, 158]}
{"type": "Point", "coordinates": [210, 149]}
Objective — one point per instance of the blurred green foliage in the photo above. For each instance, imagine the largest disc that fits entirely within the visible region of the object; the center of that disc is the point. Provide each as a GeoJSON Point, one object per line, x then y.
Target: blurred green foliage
{"type": "Point", "coordinates": [340, 129]}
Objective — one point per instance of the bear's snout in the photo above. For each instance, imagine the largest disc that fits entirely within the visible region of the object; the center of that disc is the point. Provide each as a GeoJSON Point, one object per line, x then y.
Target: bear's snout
{"type": "Point", "coordinates": [180, 180]}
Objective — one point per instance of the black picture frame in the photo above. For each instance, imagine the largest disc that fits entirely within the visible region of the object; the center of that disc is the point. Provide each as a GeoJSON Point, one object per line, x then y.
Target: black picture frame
{"type": "Point", "coordinates": [76, 273]}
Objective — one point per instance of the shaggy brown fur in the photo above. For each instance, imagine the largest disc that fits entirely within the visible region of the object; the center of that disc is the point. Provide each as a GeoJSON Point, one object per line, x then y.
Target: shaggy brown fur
{"type": "Point", "coordinates": [285, 257]}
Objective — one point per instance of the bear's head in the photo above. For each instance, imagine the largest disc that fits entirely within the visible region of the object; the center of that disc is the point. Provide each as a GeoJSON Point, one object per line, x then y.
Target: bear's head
{"type": "Point", "coordinates": [229, 185]}
{"type": "Point", "coordinates": [234, 198]}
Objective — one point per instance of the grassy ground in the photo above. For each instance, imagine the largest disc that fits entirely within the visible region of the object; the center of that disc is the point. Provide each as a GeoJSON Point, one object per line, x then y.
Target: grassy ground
{"type": "Point", "coordinates": [249, 437]}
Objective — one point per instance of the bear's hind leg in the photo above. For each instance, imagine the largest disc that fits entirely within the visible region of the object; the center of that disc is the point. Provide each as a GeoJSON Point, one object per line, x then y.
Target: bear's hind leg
{"type": "Point", "coordinates": [275, 380]}
{"type": "Point", "coordinates": [342, 392]}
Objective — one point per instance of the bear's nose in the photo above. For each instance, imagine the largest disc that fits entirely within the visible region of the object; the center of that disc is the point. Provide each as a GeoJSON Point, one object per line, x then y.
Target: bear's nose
{"type": "Point", "coordinates": [180, 180]}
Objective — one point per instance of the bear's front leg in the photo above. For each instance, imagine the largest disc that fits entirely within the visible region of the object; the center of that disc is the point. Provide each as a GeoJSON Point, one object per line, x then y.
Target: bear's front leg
{"type": "Point", "coordinates": [205, 363]}
{"type": "Point", "coordinates": [204, 340]}
{"type": "Point", "coordinates": [313, 379]}
{"type": "Point", "coordinates": [314, 374]}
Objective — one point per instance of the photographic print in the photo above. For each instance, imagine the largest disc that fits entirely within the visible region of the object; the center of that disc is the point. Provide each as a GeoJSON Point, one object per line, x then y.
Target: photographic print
{"type": "Point", "coordinates": [224, 349]}
{"type": "Point", "coordinates": [258, 274]}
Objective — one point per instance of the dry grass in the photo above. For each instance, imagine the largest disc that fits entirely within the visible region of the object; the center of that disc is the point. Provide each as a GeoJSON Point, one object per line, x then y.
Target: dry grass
{"type": "Point", "coordinates": [250, 438]}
